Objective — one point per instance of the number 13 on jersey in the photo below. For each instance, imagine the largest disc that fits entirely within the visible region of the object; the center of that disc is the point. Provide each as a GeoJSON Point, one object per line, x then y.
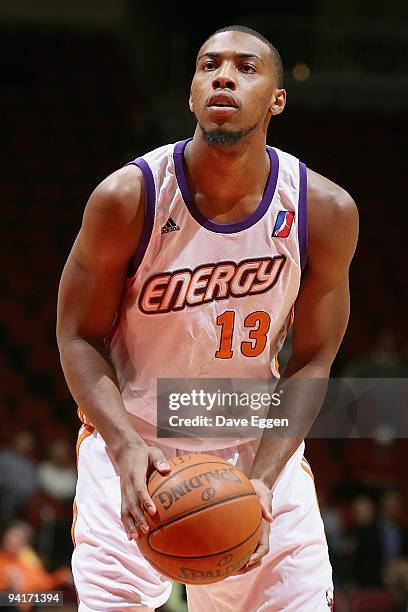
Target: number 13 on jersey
{"type": "Point", "coordinates": [258, 324]}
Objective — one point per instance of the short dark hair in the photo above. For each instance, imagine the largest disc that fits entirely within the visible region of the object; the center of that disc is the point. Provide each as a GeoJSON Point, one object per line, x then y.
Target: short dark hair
{"type": "Point", "coordinates": [277, 60]}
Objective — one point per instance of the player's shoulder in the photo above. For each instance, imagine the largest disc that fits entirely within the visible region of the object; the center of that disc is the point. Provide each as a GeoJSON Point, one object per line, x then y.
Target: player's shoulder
{"type": "Point", "coordinates": [126, 185]}
{"type": "Point", "coordinates": [328, 200]}
{"type": "Point", "coordinates": [332, 211]}
{"type": "Point", "coordinates": [332, 218]}
{"type": "Point", "coordinates": [120, 193]}
{"type": "Point", "coordinates": [114, 213]}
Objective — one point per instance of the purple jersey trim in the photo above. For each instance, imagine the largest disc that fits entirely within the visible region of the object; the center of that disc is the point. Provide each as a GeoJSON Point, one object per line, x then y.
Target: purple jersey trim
{"type": "Point", "coordinates": [235, 226]}
{"type": "Point", "coordinates": [302, 215]}
{"type": "Point", "coordinates": [149, 209]}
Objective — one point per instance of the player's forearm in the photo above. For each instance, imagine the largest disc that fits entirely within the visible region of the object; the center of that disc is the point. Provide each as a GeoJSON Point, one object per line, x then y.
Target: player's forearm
{"type": "Point", "coordinates": [92, 381]}
{"type": "Point", "coordinates": [303, 393]}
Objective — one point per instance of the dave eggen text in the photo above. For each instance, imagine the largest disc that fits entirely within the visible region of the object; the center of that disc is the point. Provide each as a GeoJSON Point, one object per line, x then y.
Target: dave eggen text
{"type": "Point", "coordinates": [222, 421]}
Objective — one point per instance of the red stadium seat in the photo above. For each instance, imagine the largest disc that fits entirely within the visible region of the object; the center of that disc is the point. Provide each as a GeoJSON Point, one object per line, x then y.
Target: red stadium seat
{"type": "Point", "coordinates": [374, 601]}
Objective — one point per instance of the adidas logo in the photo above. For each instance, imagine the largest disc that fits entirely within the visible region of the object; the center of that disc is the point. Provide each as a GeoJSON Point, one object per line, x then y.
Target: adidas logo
{"type": "Point", "coordinates": [170, 226]}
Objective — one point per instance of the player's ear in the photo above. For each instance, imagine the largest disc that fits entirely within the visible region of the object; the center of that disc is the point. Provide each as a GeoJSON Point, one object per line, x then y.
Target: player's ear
{"type": "Point", "coordinates": [278, 101]}
{"type": "Point", "coordinates": [190, 103]}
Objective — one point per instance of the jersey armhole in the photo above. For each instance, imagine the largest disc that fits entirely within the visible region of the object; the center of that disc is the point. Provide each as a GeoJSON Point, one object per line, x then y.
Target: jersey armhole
{"type": "Point", "coordinates": [302, 215]}
{"type": "Point", "coordinates": [149, 210]}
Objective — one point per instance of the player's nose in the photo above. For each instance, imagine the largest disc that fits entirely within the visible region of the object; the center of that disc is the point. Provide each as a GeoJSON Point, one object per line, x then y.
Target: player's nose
{"type": "Point", "coordinates": [224, 79]}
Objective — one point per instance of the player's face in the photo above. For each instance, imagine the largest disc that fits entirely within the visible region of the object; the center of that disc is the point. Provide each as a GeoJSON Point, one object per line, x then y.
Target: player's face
{"type": "Point", "coordinates": [234, 86]}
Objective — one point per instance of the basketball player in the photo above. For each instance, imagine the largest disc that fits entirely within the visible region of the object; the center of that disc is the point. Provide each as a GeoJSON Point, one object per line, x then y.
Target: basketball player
{"type": "Point", "coordinates": [155, 286]}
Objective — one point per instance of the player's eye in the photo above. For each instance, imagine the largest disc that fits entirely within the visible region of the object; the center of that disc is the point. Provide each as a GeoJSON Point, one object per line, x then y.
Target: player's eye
{"type": "Point", "coordinates": [247, 68]}
{"type": "Point", "coordinates": [209, 66]}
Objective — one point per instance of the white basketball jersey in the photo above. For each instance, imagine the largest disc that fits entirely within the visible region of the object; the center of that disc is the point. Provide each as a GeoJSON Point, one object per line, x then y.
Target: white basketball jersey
{"type": "Point", "coordinates": [204, 299]}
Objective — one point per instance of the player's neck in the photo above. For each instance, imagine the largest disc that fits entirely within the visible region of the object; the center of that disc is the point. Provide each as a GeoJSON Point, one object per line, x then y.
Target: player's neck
{"type": "Point", "coordinates": [226, 174]}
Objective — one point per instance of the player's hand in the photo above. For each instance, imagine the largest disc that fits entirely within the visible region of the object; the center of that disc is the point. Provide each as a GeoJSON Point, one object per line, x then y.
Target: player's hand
{"type": "Point", "coordinates": [265, 497]}
{"type": "Point", "coordinates": [135, 466]}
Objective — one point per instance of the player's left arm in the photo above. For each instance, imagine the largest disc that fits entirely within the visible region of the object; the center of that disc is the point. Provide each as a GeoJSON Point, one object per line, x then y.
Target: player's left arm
{"type": "Point", "coordinates": [321, 314]}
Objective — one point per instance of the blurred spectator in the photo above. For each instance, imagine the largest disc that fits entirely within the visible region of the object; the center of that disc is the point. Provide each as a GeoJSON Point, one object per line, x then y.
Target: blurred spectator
{"type": "Point", "coordinates": [366, 545]}
{"type": "Point", "coordinates": [57, 476]}
{"type": "Point", "coordinates": [18, 475]}
{"type": "Point", "coordinates": [396, 579]}
{"type": "Point", "coordinates": [50, 510]}
{"type": "Point", "coordinates": [383, 361]}
{"type": "Point", "coordinates": [20, 567]}
{"type": "Point", "coordinates": [336, 535]}
{"type": "Point", "coordinates": [393, 535]}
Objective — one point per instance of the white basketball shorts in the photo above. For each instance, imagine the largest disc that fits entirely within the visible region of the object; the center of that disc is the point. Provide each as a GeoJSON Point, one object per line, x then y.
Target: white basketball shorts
{"type": "Point", "coordinates": [111, 575]}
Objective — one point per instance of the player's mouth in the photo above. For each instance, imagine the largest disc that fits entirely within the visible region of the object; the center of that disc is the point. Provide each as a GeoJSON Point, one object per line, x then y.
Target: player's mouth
{"type": "Point", "coordinates": [222, 103]}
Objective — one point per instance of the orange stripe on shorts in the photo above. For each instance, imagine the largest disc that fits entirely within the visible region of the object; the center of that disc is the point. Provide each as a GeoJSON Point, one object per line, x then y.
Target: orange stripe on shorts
{"type": "Point", "coordinates": [305, 465]}
{"type": "Point", "coordinates": [81, 437]}
{"type": "Point", "coordinates": [74, 520]}
{"type": "Point", "coordinates": [82, 417]}
{"type": "Point", "coordinates": [87, 432]}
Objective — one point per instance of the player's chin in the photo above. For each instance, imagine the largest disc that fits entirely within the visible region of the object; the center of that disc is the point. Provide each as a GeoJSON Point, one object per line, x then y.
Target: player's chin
{"type": "Point", "coordinates": [224, 135]}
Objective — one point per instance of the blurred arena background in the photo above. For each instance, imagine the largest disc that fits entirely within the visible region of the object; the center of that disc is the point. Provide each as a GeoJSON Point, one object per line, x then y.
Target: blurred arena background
{"type": "Point", "coordinates": [86, 86]}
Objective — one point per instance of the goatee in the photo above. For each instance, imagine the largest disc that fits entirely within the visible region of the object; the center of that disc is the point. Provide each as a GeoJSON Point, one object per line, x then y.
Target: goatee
{"type": "Point", "coordinates": [225, 139]}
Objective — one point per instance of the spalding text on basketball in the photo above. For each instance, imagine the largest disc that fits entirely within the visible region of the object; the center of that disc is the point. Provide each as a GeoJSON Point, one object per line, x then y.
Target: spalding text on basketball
{"type": "Point", "coordinates": [171, 495]}
{"type": "Point", "coordinates": [190, 574]}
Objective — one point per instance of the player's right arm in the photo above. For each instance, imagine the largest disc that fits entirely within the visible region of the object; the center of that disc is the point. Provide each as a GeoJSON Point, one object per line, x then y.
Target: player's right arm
{"type": "Point", "coordinates": [90, 291]}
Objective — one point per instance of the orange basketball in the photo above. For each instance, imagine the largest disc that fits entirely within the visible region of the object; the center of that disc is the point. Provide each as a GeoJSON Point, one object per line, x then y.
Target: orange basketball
{"type": "Point", "coordinates": [207, 523]}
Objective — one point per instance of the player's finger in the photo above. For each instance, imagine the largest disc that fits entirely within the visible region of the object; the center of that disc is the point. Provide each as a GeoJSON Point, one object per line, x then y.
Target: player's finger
{"type": "Point", "coordinates": [263, 547]}
{"type": "Point", "coordinates": [133, 504]}
{"type": "Point", "coordinates": [129, 525]}
{"type": "Point", "coordinates": [266, 513]}
{"type": "Point", "coordinates": [146, 501]}
{"type": "Point", "coordinates": [260, 552]}
{"type": "Point", "coordinates": [140, 519]}
{"type": "Point", "coordinates": [248, 568]}
{"type": "Point", "coordinates": [159, 461]}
